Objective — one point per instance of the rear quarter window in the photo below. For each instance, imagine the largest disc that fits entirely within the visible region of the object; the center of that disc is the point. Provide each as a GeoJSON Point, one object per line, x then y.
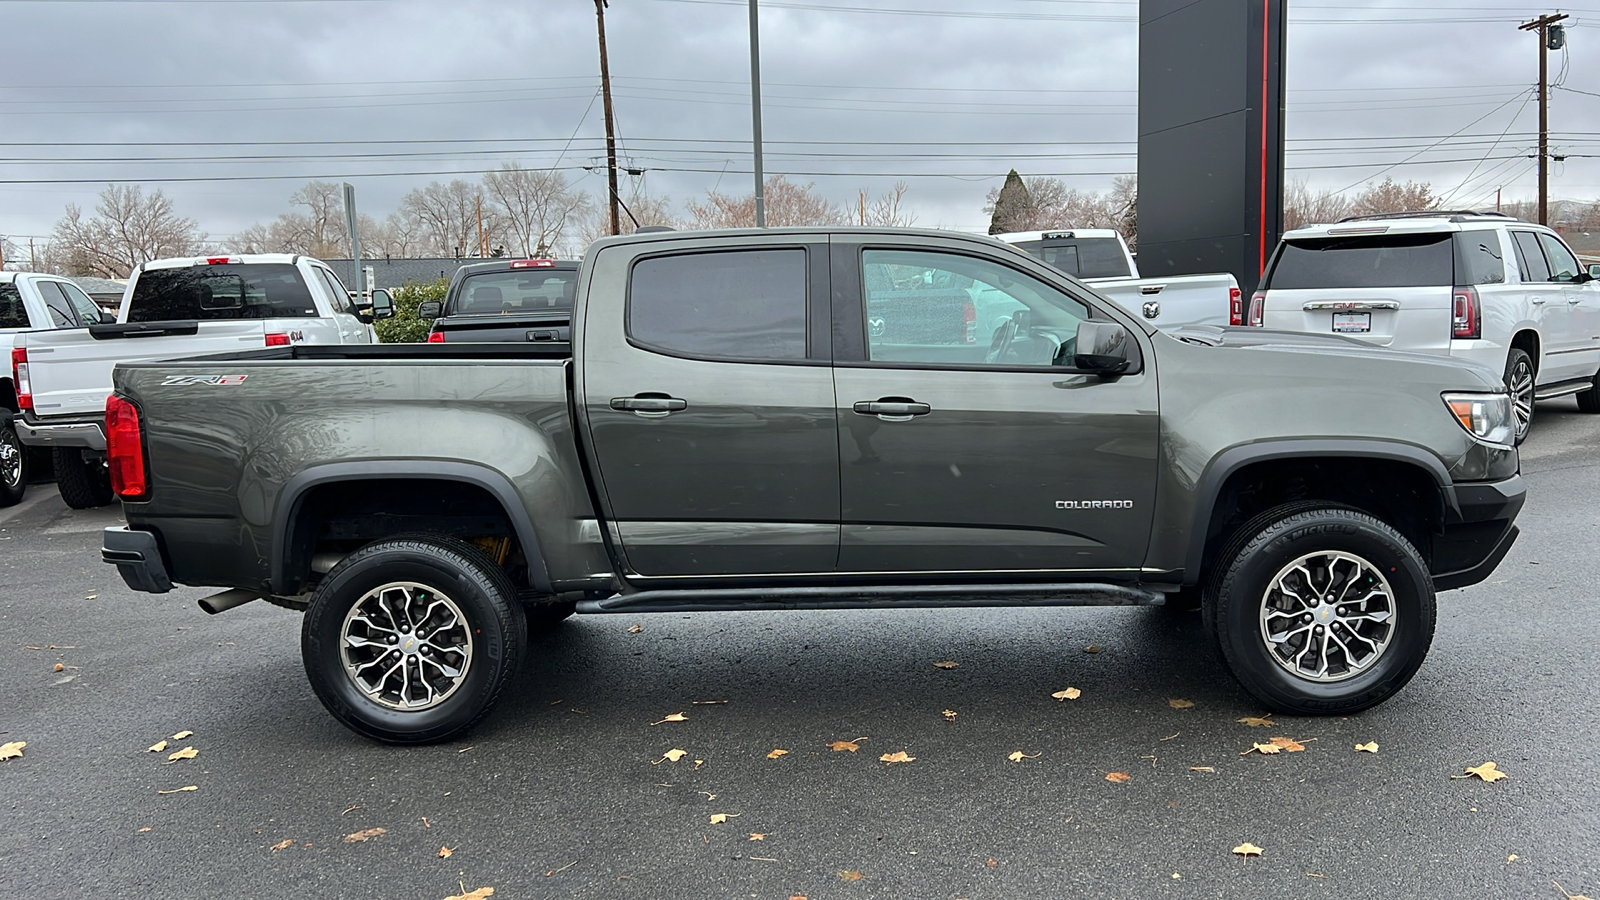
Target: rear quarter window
{"type": "Point", "coordinates": [1365, 261]}
{"type": "Point", "coordinates": [227, 291]}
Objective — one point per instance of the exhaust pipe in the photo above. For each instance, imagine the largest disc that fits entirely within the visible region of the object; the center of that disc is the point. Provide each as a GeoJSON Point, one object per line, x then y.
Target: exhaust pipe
{"type": "Point", "coordinates": [227, 600]}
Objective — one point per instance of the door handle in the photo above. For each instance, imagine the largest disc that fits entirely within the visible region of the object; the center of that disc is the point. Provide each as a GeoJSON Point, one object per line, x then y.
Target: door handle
{"type": "Point", "coordinates": [892, 409]}
{"type": "Point", "coordinates": [1536, 301]}
{"type": "Point", "coordinates": [649, 404]}
{"type": "Point", "coordinates": [1148, 289]}
{"type": "Point", "coordinates": [1574, 299]}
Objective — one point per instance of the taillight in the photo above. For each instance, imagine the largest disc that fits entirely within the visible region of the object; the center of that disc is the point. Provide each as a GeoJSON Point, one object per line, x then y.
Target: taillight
{"type": "Point", "coordinates": [277, 340]}
{"type": "Point", "coordinates": [124, 449]}
{"type": "Point", "coordinates": [1258, 308]}
{"type": "Point", "coordinates": [1235, 306]}
{"type": "Point", "coordinates": [532, 263]}
{"type": "Point", "coordinates": [969, 323]}
{"type": "Point", "coordinates": [435, 337]}
{"type": "Point", "coordinates": [221, 260]}
{"type": "Point", "coordinates": [1466, 316]}
{"type": "Point", "coordinates": [19, 376]}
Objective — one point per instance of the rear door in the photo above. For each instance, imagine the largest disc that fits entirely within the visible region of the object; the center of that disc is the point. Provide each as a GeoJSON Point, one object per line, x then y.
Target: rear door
{"type": "Point", "coordinates": [1558, 347]}
{"type": "Point", "coordinates": [350, 327]}
{"type": "Point", "coordinates": [709, 401]}
{"type": "Point", "coordinates": [1582, 301]}
{"type": "Point", "coordinates": [990, 455]}
{"type": "Point", "coordinates": [1392, 289]}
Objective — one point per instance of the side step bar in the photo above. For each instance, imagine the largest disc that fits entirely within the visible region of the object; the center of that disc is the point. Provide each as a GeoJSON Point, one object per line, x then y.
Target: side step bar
{"type": "Point", "coordinates": [858, 597]}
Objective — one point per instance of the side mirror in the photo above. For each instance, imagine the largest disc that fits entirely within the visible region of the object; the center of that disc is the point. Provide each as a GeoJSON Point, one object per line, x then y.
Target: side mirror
{"type": "Point", "coordinates": [382, 304]}
{"type": "Point", "coordinates": [107, 318]}
{"type": "Point", "coordinates": [1104, 348]}
{"type": "Point", "coordinates": [1594, 271]}
{"type": "Point", "coordinates": [430, 309]}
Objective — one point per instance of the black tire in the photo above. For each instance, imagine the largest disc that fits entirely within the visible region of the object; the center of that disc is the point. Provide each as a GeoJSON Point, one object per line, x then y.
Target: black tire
{"type": "Point", "coordinates": [544, 616]}
{"type": "Point", "coordinates": [13, 464]}
{"type": "Point", "coordinates": [1589, 400]}
{"type": "Point", "coordinates": [1244, 588]}
{"type": "Point", "coordinates": [1520, 371]}
{"type": "Point", "coordinates": [84, 483]}
{"type": "Point", "coordinates": [491, 628]}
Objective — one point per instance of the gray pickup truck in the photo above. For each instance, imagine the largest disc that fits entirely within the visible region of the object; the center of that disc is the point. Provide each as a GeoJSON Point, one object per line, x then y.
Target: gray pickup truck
{"type": "Point", "coordinates": [758, 420]}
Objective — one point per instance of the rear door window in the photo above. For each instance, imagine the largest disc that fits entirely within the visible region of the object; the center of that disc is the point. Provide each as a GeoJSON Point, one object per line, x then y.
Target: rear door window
{"type": "Point", "coordinates": [1531, 258]}
{"type": "Point", "coordinates": [61, 314]}
{"type": "Point", "coordinates": [1365, 261]}
{"type": "Point", "coordinates": [224, 291]}
{"type": "Point", "coordinates": [338, 296]}
{"type": "Point", "coordinates": [1563, 265]}
{"type": "Point", "coordinates": [88, 312]}
{"type": "Point", "coordinates": [729, 304]}
{"type": "Point", "coordinates": [12, 313]}
{"type": "Point", "coordinates": [516, 291]}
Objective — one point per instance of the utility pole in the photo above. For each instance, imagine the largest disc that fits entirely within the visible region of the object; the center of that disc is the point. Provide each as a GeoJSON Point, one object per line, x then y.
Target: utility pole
{"type": "Point", "coordinates": [1542, 25]}
{"type": "Point", "coordinates": [611, 128]}
{"type": "Point", "coordinates": [755, 112]}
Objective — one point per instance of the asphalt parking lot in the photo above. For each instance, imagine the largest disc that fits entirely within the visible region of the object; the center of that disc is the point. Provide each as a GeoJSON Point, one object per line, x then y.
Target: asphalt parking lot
{"type": "Point", "coordinates": [568, 790]}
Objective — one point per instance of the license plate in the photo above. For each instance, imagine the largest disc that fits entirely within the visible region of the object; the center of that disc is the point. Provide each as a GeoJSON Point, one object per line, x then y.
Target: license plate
{"type": "Point", "coordinates": [1352, 323]}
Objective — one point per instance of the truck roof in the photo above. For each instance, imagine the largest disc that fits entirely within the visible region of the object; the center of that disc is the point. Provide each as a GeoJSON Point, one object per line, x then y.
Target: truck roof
{"type": "Point", "coordinates": [1012, 237]}
{"type": "Point", "coordinates": [868, 231]}
{"type": "Point", "coordinates": [1407, 223]}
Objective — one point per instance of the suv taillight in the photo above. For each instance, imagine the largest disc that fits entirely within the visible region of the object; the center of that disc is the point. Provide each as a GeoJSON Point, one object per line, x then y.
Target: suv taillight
{"type": "Point", "coordinates": [1258, 308]}
{"type": "Point", "coordinates": [125, 449]}
{"type": "Point", "coordinates": [19, 376]}
{"type": "Point", "coordinates": [1466, 315]}
{"type": "Point", "coordinates": [969, 323]}
{"type": "Point", "coordinates": [1235, 306]}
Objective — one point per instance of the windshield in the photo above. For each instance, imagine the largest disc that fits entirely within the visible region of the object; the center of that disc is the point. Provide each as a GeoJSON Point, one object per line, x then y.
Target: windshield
{"type": "Point", "coordinates": [1081, 257]}
{"type": "Point", "coordinates": [1390, 260]}
{"type": "Point", "coordinates": [507, 293]}
{"type": "Point", "coordinates": [224, 291]}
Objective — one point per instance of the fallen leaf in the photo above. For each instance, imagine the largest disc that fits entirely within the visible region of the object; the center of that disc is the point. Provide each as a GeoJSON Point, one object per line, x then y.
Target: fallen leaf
{"type": "Point", "coordinates": [1487, 772]}
{"type": "Point", "coordinates": [60, 667]}
{"type": "Point", "coordinates": [157, 747]}
{"type": "Point", "coordinates": [1092, 648]}
{"type": "Point", "coordinates": [850, 745]}
{"type": "Point", "coordinates": [1070, 693]}
{"type": "Point", "coordinates": [949, 715]}
{"type": "Point", "coordinates": [947, 664]}
{"type": "Point", "coordinates": [478, 894]}
{"type": "Point", "coordinates": [758, 836]}
{"type": "Point", "coordinates": [366, 835]}
{"type": "Point", "coordinates": [183, 790]}
{"type": "Point", "coordinates": [181, 735]}
{"type": "Point", "coordinates": [284, 844]}
{"type": "Point", "coordinates": [1289, 744]}
{"type": "Point", "coordinates": [777, 753]}
{"type": "Point", "coordinates": [1512, 858]}
{"type": "Point", "coordinates": [463, 749]}
{"type": "Point", "coordinates": [1119, 777]}
{"type": "Point", "coordinates": [185, 753]}
{"type": "Point", "coordinates": [635, 629]}
{"type": "Point", "coordinates": [1256, 721]}
{"type": "Point", "coordinates": [850, 875]}
{"type": "Point", "coordinates": [899, 756]}
{"type": "Point", "coordinates": [675, 717]}
{"type": "Point", "coordinates": [12, 750]}
{"type": "Point", "coordinates": [1247, 849]}
{"type": "Point", "coordinates": [672, 755]}
{"type": "Point", "coordinates": [1179, 703]}
{"type": "Point", "coordinates": [719, 818]}
{"type": "Point", "coordinates": [797, 897]}
{"type": "Point", "coordinates": [1202, 769]}
{"type": "Point", "coordinates": [698, 763]}
{"type": "Point", "coordinates": [147, 828]}
{"type": "Point", "coordinates": [707, 702]}
{"type": "Point", "coordinates": [1263, 748]}
{"type": "Point", "coordinates": [1368, 747]}
{"type": "Point", "coordinates": [1019, 756]}
{"type": "Point", "coordinates": [991, 862]}
{"type": "Point", "coordinates": [444, 852]}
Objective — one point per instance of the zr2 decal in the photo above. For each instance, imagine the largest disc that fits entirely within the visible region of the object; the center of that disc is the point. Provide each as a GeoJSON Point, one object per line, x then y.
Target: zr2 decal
{"type": "Point", "coordinates": [224, 380]}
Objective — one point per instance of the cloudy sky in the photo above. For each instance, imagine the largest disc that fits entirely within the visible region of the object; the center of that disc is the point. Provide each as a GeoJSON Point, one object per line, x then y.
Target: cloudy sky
{"type": "Point", "coordinates": [229, 105]}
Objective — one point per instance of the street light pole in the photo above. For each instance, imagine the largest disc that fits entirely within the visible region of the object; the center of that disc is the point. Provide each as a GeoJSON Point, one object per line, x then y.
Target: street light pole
{"type": "Point", "coordinates": [755, 111]}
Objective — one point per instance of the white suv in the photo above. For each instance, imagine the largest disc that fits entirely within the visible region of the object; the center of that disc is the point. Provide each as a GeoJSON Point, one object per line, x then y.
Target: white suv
{"type": "Point", "coordinates": [1483, 287]}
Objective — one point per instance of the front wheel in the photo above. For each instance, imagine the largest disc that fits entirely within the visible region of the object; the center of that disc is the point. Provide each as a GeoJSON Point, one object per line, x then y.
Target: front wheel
{"type": "Point", "coordinates": [410, 640]}
{"type": "Point", "coordinates": [13, 464]}
{"type": "Point", "coordinates": [1519, 382]}
{"type": "Point", "coordinates": [1323, 612]}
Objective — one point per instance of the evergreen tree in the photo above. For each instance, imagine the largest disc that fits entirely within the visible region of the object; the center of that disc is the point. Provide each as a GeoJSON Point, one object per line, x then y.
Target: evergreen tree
{"type": "Point", "coordinates": [1011, 205]}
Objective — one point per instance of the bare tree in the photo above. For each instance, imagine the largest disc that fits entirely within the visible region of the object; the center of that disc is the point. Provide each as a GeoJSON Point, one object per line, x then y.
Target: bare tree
{"type": "Point", "coordinates": [399, 235]}
{"type": "Point", "coordinates": [1050, 203]}
{"type": "Point", "coordinates": [1392, 196]}
{"type": "Point", "coordinates": [886, 210]}
{"type": "Point", "coordinates": [1303, 206]}
{"type": "Point", "coordinates": [12, 257]}
{"type": "Point", "coordinates": [536, 206]}
{"type": "Point", "coordinates": [449, 215]}
{"type": "Point", "coordinates": [127, 229]}
{"type": "Point", "coordinates": [594, 223]}
{"type": "Point", "coordinates": [787, 204]}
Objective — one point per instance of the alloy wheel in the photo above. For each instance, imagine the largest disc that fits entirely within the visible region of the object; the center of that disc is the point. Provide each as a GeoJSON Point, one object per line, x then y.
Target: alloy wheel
{"type": "Point", "coordinates": [406, 646]}
{"type": "Point", "coordinates": [1327, 616]}
{"type": "Point", "coordinates": [11, 451]}
{"type": "Point", "coordinates": [1520, 383]}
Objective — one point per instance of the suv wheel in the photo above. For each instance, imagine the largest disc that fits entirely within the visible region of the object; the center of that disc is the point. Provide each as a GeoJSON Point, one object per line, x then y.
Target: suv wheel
{"type": "Point", "coordinates": [1323, 611]}
{"type": "Point", "coordinates": [1589, 400]}
{"type": "Point", "coordinates": [1519, 382]}
{"type": "Point", "coordinates": [13, 464]}
{"type": "Point", "coordinates": [410, 640]}
{"type": "Point", "coordinates": [84, 483]}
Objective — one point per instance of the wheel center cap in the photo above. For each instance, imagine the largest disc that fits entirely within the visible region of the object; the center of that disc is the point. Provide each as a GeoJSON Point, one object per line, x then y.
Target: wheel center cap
{"type": "Point", "coordinates": [1325, 613]}
{"type": "Point", "coordinates": [409, 644]}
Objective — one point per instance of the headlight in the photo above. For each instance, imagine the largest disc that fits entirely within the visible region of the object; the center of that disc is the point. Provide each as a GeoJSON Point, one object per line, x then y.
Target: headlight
{"type": "Point", "coordinates": [1486, 417]}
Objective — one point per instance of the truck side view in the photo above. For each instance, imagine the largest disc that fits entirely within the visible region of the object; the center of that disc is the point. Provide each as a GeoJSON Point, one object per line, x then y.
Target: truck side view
{"type": "Point", "coordinates": [768, 420]}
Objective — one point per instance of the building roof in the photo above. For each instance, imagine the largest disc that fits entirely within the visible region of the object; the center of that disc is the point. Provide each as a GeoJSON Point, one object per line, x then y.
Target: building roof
{"type": "Point", "coordinates": [393, 273]}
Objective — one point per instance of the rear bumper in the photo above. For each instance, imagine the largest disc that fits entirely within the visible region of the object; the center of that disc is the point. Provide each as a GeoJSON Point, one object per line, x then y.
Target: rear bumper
{"type": "Point", "coordinates": [1478, 538]}
{"type": "Point", "coordinates": [83, 433]}
{"type": "Point", "coordinates": [137, 557]}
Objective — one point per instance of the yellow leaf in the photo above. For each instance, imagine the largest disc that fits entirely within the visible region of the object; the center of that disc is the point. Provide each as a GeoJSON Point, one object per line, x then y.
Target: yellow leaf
{"type": "Point", "coordinates": [1512, 858]}
{"type": "Point", "coordinates": [1119, 777]}
{"type": "Point", "coordinates": [1257, 721]}
{"type": "Point", "coordinates": [850, 875]}
{"type": "Point", "coordinates": [899, 756]}
{"type": "Point", "coordinates": [947, 664]}
{"type": "Point", "coordinates": [444, 852]}
{"type": "Point", "coordinates": [1070, 693]}
{"type": "Point", "coordinates": [60, 667]}
{"type": "Point", "coordinates": [183, 790]}
{"type": "Point", "coordinates": [1247, 849]}
{"type": "Point", "coordinates": [1019, 756]}
{"type": "Point", "coordinates": [672, 755]}
{"type": "Point", "coordinates": [157, 747]}
{"type": "Point", "coordinates": [362, 836]}
{"type": "Point", "coordinates": [777, 752]}
{"type": "Point", "coordinates": [675, 717]}
{"type": "Point", "coordinates": [850, 745]}
{"type": "Point", "coordinates": [949, 715]}
{"type": "Point", "coordinates": [181, 735]}
{"type": "Point", "coordinates": [635, 629]}
{"type": "Point", "coordinates": [1092, 648]}
{"type": "Point", "coordinates": [1487, 772]}
{"type": "Point", "coordinates": [12, 750]}
{"type": "Point", "coordinates": [1368, 747]}
{"type": "Point", "coordinates": [1179, 703]}
{"type": "Point", "coordinates": [1202, 769]}
{"type": "Point", "coordinates": [282, 845]}
{"type": "Point", "coordinates": [185, 753]}
{"type": "Point", "coordinates": [719, 818]}
{"type": "Point", "coordinates": [478, 894]}
{"type": "Point", "coordinates": [758, 836]}
{"type": "Point", "coordinates": [1263, 748]}
{"type": "Point", "coordinates": [1287, 743]}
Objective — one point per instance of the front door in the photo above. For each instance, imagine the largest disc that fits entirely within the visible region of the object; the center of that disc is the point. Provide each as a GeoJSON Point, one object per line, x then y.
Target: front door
{"type": "Point", "coordinates": [967, 440]}
{"type": "Point", "coordinates": [709, 403]}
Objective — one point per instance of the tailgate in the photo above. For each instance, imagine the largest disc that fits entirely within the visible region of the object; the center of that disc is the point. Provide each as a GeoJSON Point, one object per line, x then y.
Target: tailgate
{"type": "Point", "coordinates": [1178, 301]}
{"type": "Point", "coordinates": [1409, 318]}
{"type": "Point", "coordinates": [554, 326]}
{"type": "Point", "coordinates": [71, 368]}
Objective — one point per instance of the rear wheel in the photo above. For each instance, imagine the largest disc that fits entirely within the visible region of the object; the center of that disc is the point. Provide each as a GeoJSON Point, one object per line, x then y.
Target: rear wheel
{"type": "Point", "coordinates": [13, 464]}
{"type": "Point", "coordinates": [84, 483]}
{"type": "Point", "coordinates": [1589, 400]}
{"type": "Point", "coordinates": [1323, 611]}
{"type": "Point", "coordinates": [1519, 382]}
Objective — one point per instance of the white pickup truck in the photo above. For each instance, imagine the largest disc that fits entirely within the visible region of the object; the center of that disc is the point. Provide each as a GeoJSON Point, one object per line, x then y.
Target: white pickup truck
{"type": "Point", "coordinates": [1099, 258]}
{"type": "Point", "coordinates": [171, 308]}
